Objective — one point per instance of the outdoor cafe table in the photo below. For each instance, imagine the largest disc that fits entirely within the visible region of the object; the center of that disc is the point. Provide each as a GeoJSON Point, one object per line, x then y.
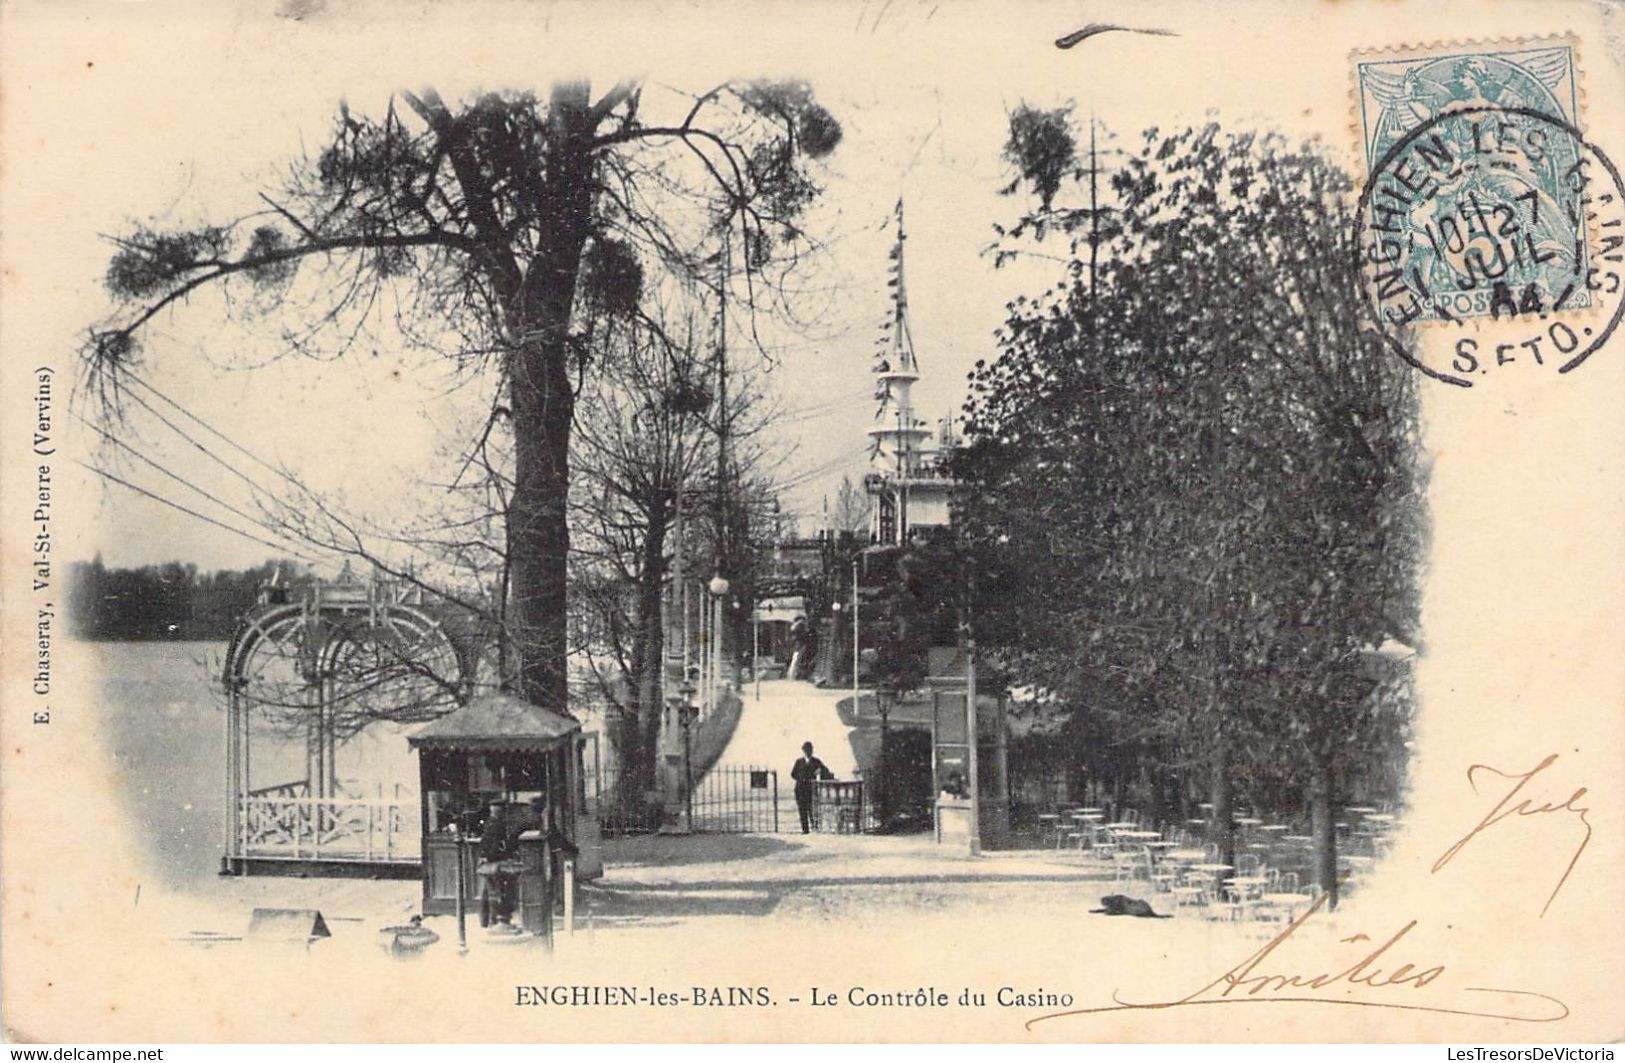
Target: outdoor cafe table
{"type": "Point", "coordinates": [1248, 821]}
{"type": "Point", "coordinates": [1205, 872]}
{"type": "Point", "coordinates": [1186, 855]}
{"type": "Point", "coordinates": [1296, 839]}
{"type": "Point", "coordinates": [1380, 818]}
{"type": "Point", "coordinates": [1139, 835]}
{"type": "Point", "coordinates": [1275, 828]}
{"type": "Point", "coordinates": [1247, 887]}
{"type": "Point", "coordinates": [1123, 825]}
{"type": "Point", "coordinates": [1087, 808]}
{"type": "Point", "coordinates": [1361, 810]}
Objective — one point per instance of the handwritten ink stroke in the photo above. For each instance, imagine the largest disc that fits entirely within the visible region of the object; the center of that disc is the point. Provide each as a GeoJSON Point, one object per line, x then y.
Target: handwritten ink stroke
{"type": "Point", "coordinates": [1505, 808]}
{"type": "Point", "coordinates": [1252, 982]}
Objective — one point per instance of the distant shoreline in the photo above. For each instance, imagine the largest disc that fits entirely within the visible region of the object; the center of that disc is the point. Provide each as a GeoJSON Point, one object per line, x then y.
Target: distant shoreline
{"type": "Point", "coordinates": [87, 639]}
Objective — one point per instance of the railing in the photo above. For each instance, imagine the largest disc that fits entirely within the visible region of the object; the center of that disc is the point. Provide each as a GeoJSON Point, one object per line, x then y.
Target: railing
{"type": "Point", "coordinates": [726, 800]}
{"type": "Point", "coordinates": [337, 828]}
{"type": "Point", "coordinates": [842, 807]}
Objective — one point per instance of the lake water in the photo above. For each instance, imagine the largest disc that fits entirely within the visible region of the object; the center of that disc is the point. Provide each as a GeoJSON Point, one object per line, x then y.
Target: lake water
{"type": "Point", "coordinates": [162, 714]}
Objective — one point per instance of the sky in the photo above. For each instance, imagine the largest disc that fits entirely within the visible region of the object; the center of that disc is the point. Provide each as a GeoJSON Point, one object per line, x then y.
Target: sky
{"type": "Point", "coordinates": [119, 130]}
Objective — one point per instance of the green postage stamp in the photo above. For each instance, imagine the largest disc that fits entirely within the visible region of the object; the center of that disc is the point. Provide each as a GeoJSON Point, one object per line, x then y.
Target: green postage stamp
{"type": "Point", "coordinates": [1476, 171]}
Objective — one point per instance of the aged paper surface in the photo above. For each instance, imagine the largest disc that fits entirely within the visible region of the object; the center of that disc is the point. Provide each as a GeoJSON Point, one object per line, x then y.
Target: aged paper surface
{"type": "Point", "coordinates": [1500, 879]}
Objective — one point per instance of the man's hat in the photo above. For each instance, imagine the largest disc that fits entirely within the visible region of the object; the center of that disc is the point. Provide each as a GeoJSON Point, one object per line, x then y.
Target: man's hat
{"type": "Point", "coordinates": [807, 747]}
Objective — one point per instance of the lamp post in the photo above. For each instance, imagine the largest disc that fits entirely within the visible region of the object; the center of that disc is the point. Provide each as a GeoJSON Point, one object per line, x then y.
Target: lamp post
{"type": "Point", "coordinates": [835, 613]}
{"type": "Point", "coordinates": [462, 892]}
{"type": "Point", "coordinates": [719, 590]}
{"type": "Point", "coordinates": [883, 805]}
{"type": "Point", "coordinates": [756, 647]}
{"type": "Point", "coordinates": [684, 704]}
{"type": "Point", "coordinates": [854, 638]}
{"type": "Point", "coordinates": [973, 738]}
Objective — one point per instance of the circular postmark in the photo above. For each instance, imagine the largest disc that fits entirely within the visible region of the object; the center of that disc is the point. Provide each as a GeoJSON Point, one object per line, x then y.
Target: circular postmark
{"type": "Point", "coordinates": [1503, 221]}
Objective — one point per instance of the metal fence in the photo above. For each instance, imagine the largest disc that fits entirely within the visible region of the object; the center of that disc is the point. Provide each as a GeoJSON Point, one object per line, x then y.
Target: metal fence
{"type": "Point", "coordinates": [742, 799]}
{"type": "Point", "coordinates": [737, 800]}
{"type": "Point", "coordinates": [842, 808]}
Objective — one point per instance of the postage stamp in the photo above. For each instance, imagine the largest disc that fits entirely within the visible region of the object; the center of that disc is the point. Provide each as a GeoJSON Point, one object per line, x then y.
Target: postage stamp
{"type": "Point", "coordinates": [1473, 154]}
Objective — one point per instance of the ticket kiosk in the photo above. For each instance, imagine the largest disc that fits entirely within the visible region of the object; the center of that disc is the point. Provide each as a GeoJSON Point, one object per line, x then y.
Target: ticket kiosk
{"type": "Point", "coordinates": [498, 763]}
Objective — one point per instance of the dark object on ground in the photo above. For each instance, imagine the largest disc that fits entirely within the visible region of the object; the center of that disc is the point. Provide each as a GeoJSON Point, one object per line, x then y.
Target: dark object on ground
{"type": "Point", "coordinates": [1117, 904]}
{"type": "Point", "coordinates": [301, 925]}
{"type": "Point", "coordinates": [408, 940]}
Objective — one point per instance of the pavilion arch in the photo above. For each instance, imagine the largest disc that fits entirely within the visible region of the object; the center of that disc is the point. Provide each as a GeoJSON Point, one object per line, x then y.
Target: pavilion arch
{"type": "Point", "coordinates": [321, 683]}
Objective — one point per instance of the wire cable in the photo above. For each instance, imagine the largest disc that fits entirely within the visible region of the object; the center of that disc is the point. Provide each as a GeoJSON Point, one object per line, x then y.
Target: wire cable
{"type": "Point", "coordinates": [282, 548]}
{"type": "Point", "coordinates": [259, 522]}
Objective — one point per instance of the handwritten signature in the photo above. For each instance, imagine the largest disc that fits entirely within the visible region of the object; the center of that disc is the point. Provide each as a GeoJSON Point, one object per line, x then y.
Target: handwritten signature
{"type": "Point", "coordinates": [1505, 809]}
{"type": "Point", "coordinates": [1253, 982]}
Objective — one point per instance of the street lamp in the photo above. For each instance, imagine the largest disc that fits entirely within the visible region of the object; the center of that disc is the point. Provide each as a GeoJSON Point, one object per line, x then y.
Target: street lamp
{"type": "Point", "coordinates": [756, 646]}
{"type": "Point", "coordinates": [855, 638]}
{"type": "Point", "coordinates": [718, 587]}
{"type": "Point", "coordinates": [686, 710]}
{"type": "Point", "coordinates": [835, 610]}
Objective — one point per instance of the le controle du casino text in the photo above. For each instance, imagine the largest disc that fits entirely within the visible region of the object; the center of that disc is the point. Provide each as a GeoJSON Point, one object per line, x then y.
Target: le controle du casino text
{"type": "Point", "coordinates": [609, 996]}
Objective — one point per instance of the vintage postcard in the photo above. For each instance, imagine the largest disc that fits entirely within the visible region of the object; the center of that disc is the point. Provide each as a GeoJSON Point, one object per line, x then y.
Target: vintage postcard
{"type": "Point", "coordinates": [879, 522]}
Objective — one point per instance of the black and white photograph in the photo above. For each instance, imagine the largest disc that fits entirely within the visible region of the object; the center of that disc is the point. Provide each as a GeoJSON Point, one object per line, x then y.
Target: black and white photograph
{"type": "Point", "coordinates": [784, 523]}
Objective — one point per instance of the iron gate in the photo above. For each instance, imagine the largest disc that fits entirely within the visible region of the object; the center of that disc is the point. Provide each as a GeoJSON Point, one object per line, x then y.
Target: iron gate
{"type": "Point", "coordinates": [726, 800]}
{"type": "Point", "coordinates": [736, 800]}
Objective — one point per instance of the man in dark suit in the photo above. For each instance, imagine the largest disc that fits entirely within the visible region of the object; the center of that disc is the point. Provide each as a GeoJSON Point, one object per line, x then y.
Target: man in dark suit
{"type": "Point", "coordinates": [806, 770]}
{"type": "Point", "coordinates": [499, 885]}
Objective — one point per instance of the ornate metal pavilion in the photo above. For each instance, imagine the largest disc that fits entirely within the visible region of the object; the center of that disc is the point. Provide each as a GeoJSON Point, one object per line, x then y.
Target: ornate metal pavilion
{"type": "Point", "coordinates": [321, 683]}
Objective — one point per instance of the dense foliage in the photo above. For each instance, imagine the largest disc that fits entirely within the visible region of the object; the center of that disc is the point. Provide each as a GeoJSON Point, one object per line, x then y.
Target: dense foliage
{"type": "Point", "coordinates": [172, 601]}
{"type": "Point", "coordinates": [1192, 487]}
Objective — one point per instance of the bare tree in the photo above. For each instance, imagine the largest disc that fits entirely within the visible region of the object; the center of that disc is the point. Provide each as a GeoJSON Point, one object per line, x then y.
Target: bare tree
{"type": "Point", "coordinates": [646, 432]}
{"type": "Point", "coordinates": [852, 508]}
{"type": "Point", "coordinates": [499, 231]}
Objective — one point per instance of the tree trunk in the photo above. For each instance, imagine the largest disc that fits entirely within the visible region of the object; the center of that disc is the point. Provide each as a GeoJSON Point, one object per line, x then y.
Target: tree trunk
{"type": "Point", "coordinates": [1221, 826]}
{"type": "Point", "coordinates": [538, 536]}
{"type": "Point", "coordinates": [1321, 787]}
{"type": "Point", "coordinates": [544, 405]}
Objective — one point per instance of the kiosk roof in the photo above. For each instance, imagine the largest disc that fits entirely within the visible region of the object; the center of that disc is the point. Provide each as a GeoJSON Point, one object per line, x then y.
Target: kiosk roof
{"type": "Point", "coordinates": [497, 721]}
